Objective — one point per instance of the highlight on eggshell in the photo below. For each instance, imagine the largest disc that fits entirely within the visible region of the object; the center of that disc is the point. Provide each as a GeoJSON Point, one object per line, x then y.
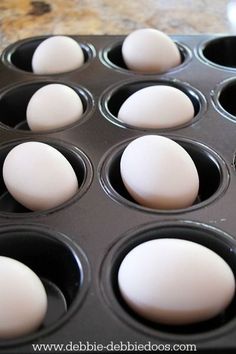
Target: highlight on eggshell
{"type": "Point", "coordinates": [38, 176]}
{"type": "Point", "coordinates": [53, 106]}
{"type": "Point", "coordinates": [157, 107]}
{"type": "Point", "coordinates": [57, 54]}
{"type": "Point", "coordinates": [158, 173]}
{"type": "Point", "coordinates": [175, 282]}
{"type": "Point", "coordinates": [150, 51]}
{"type": "Point", "coordinates": [23, 299]}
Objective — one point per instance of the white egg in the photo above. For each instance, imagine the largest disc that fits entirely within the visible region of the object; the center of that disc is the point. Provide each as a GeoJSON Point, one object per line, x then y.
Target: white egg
{"type": "Point", "coordinates": [23, 300]}
{"type": "Point", "coordinates": [175, 282]}
{"type": "Point", "coordinates": [158, 173]}
{"type": "Point", "coordinates": [56, 55]}
{"type": "Point", "coordinates": [150, 51]}
{"type": "Point", "coordinates": [157, 107]}
{"type": "Point", "coordinates": [53, 106]}
{"type": "Point", "coordinates": [38, 176]}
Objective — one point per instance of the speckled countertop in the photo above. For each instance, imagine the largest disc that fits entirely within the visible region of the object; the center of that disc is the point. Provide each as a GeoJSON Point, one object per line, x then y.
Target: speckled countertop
{"type": "Point", "coordinates": [24, 18]}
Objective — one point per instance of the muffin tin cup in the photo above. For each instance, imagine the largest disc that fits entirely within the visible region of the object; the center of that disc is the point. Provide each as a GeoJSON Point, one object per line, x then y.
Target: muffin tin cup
{"type": "Point", "coordinates": [18, 56]}
{"type": "Point", "coordinates": [223, 97]}
{"type": "Point", "coordinates": [112, 57]}
{"type": "Point", "coordinates": [216, 240]}
{"type": "Point", "coordinates": [60, 264]}
{"type": "Point", "coordinates": [219, 52]}
{"type": "Point", "coordinates": [9, 207]}
{"type": "Point", "coordinates": [212, 170]}
{"type": "Point", "coordinates": [113, 98]}
{"type": "Point", "coordinates": [14, 101]}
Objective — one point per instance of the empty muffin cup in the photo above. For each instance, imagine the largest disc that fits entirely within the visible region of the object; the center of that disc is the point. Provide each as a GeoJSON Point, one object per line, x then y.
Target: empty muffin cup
{"type": "Point", "coordinates": [58, 262]}
{"type": "Point", "coordinates": [112, 57]}
{"type": "Point", "coordinates": [77, 159]}
{"type": "Point", "coordinates": [114, 97]}
{"type": "Point", "coordinates": [19, 55]}
{"type": "Point", "coordinates": [220, 52]}
{"type": "Point", "coordinates": [14, 101]}
{"type": "Point", "coordinates": [224, 98]}
{"type": "Point", "coordinates": [212, 171]}
{"type": "Point", "coordinates": [215, 240]}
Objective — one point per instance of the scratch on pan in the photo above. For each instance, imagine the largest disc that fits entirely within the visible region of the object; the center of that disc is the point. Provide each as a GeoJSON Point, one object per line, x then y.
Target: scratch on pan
{"type": "Point", "coordinates": [216, 221]}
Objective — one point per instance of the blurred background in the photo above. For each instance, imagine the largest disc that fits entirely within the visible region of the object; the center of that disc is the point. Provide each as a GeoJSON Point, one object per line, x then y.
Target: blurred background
{"type": "Point", "coordinates": [23, 18]}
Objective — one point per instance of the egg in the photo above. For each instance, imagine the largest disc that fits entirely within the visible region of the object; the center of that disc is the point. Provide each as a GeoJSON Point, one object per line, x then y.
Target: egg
{"type": "Point", "coordinates": [53, 106]}
{"type": "Point", "coordinates": [150, 108]}
{"type": "Point", "coordinates": [148, 50]}
{"type": "Point", "coordinates": [158, 173]}
{"type": "Point", "coordinates": [57, 54]}
{"type": "Point", "coordinates": [23, 299]}
{"type": "Point", "coordinates": [175, 282]}
{"type": "Point", "coordinates": [38, 176]}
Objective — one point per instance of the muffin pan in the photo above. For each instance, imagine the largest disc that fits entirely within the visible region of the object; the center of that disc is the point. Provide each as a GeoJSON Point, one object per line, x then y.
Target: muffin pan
{"type": "Point", "coordinates": [77, 248]}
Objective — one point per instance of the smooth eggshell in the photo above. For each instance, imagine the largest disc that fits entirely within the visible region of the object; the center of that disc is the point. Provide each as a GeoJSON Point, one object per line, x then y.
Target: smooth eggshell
{"type": "Point", "coordinates": [157, 107]}
{"type": "Point", "coordinates": [23, 300]}
{"type": "Point", "coordinates": [175, 282]}
{"type": "Point", "coordinates": [150, 51]}
{"type": "Point", "coordinates": [38, 176]}
{"type": "Point", "coordinates": [56, 55]}
{"type": "Point", "coordinates": [158, 173]}
{"type": "Point", "coordinates": [53, 106]}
